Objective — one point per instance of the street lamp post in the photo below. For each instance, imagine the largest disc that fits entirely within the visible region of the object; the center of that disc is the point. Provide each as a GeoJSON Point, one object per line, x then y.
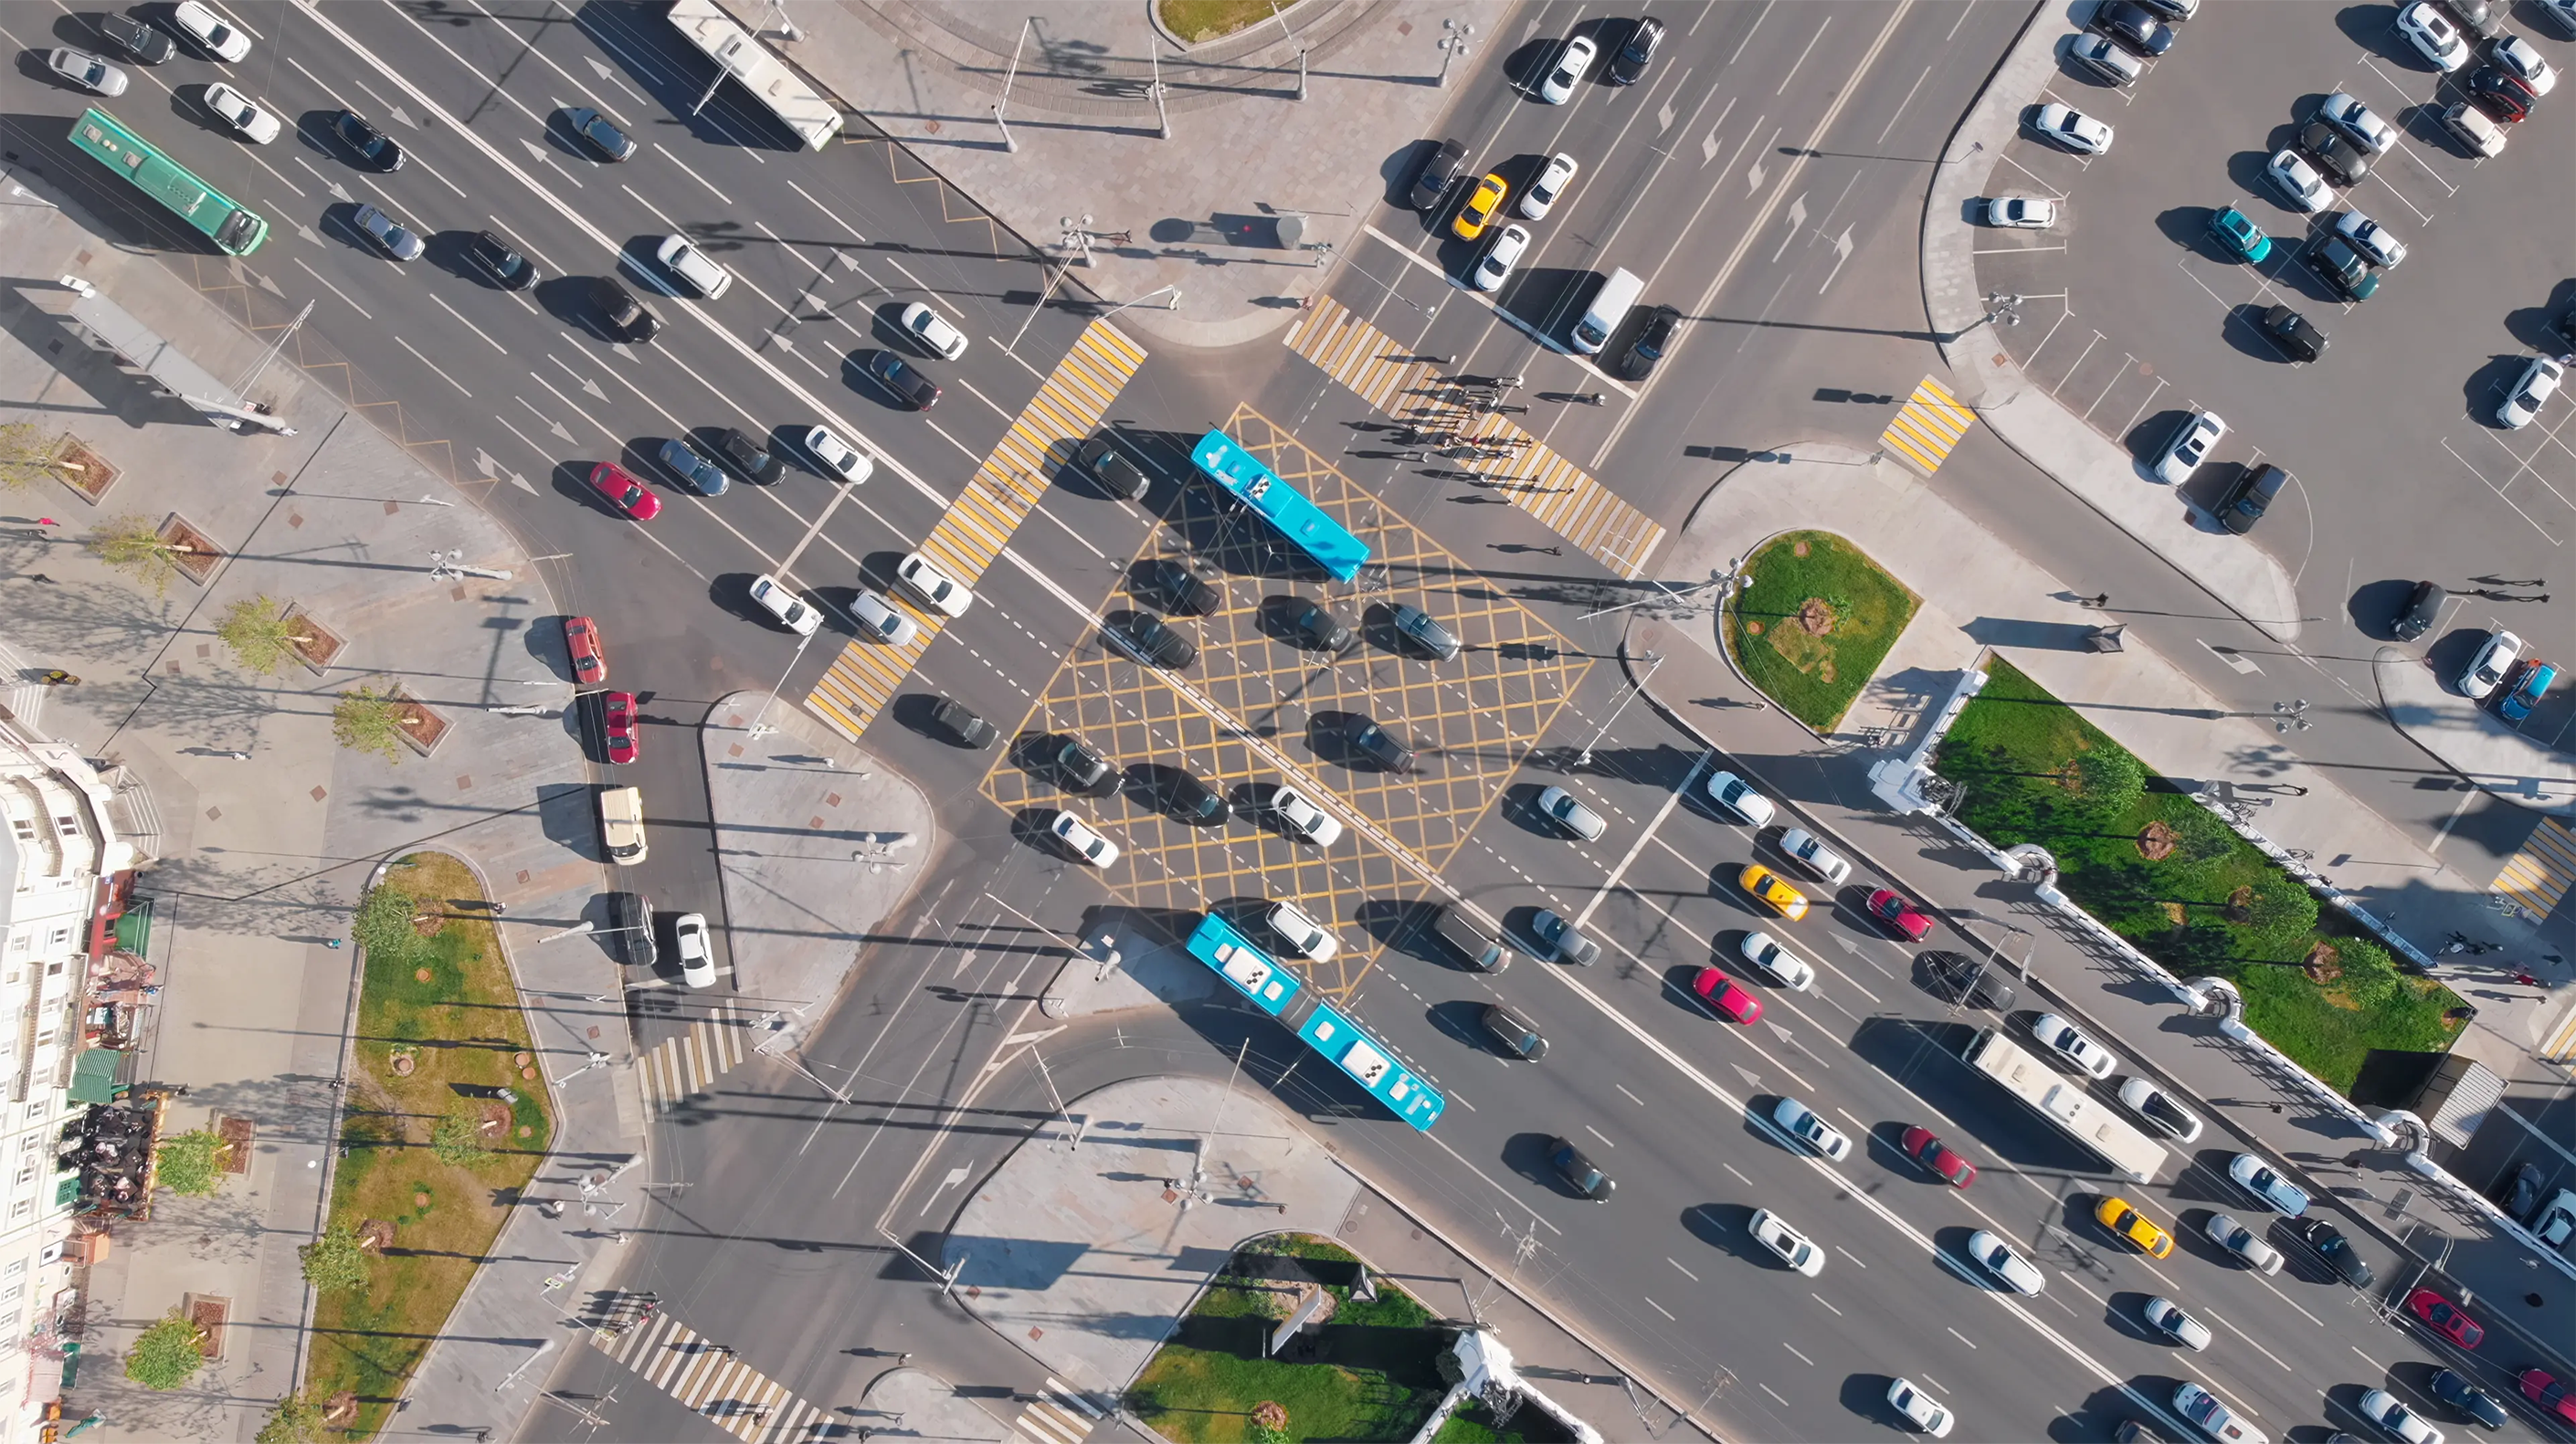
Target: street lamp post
{"type": "Point", "coordinates": [2291, 716]}
{"type": "Point", "coordinates": [1008, 143]}
{"type": "Point", "coordinates": [1452, 47]}
{"type": "Point", "coordinates": [758, 728]}
{"type": "Point", "coordinates": [1174, 305]}
{"type": "Point", "coordinates": [1160, 114]}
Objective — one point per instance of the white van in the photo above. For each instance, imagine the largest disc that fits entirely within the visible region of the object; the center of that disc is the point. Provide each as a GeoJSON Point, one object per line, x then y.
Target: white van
{"type": "Point", "coordinates": [621, 824]}
{"type": "Point", "coordinates": [1609, 308]}
{"type": "Point", "coordinates": [2482, 136]}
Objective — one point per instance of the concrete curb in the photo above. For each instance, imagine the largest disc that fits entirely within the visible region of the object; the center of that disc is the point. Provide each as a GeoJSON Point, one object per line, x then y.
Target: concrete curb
{"type": "Point", "coordinates": [2468, 739]}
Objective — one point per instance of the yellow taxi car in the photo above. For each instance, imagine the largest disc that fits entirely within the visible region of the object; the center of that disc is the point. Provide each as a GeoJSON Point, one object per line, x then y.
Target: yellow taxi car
{"type": "Point", "coordinates": [1479, 210]}
{"type": "Point", "coordinates": [1768, 886]}
{"type": "Point", "coordinates": [2116, 1215]}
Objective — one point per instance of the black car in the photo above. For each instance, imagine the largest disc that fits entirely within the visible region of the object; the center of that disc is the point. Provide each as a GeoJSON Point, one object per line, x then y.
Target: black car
{"type": "Point", "coordinates": [373, 147]}
{"type": "Point", "coordinates": [2503, 95]}
{"type": "Point", "coordinates": [1438, 173]}
{"type": "Point", "coordinates": [2423, 608]}
{"type": "Point", "coordinates": [1081, 765]}
{"type": "Point", "coordinates": [1155, 640]}
{"type": "Point", "coordinates": [2341, 267]}
{"type": "Point", "coordinates": [1189, 800]}
{"type": "Point", "coordinates": [1110, 467]}
{"type": "Point", "coordinates": [628, 319]}
{"type": "Point", "coordinates": [1187, 593]}
{"type": "Point", "coordinates": [1388, 751]}
{"type": "Point", "coordinates": [2250, 497]}
{"type": "Point", "coordinates": [963, 723]}
{"type": "Point", "coordinates": [630, 915]}
{"type": "Point", "coordinates": [1653, 339]}
{"type": "Point", "coordinates": [1636, 53]}
{"type": "Point", "coordinates": [2565, 325]}
{"type": "Point", "coordinates": [2294, 333]}
{"type": "Point", "coordinates": [1422, 630]}
{"type": "Point", "coordinates": [1470, 941]}
{"type": "Point", "coordinates": [138, 41]}
{"type": "Point", "coordinates": [1513, 1033]}
{"type": "Point", "coordinates": [2481, 18]}
{"type": "Point", "coordinates": [500, 262]}
{"type": "Point", "coordinates": [1966, 980]}
{"type": "Point", "coordinates": [2520, 1194]}
{"type": "Point", "coordinates": [2468, 1398]}
{"type": "Point", "coordinates": [2337, 1251]}
{"type": "Point", "coordinates": [748, 456]}
{"type": "Point", "coordinates": [601, 132]}
{"type": "Point", "coordinates": [2135, 27]}
{"type": "Point", "coordinates": [1580, 1173]}
{"type": "Point", "coordinates": [903, 379]}
{"type": "Point", "coordinates": [2343, 162]}
{"type": "Point", "coordinates": [1320, 628]}
{"type": "Point", "coordinates": [2176, 11]}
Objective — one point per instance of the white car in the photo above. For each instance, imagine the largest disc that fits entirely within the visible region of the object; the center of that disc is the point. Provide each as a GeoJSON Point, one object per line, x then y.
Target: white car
{"type": "Point", "coordinates": [2538, 383]}
{"type": "Point", "coordinates": [690, 264]}
{"type": "Point", "coordinates": [1085, 843]}
{"type": "Point", "coordinates": [932, 585]}
{"type": "Point", "coordinates": [1801, 845]}
{"type": "Point", "coordinates": [2520, 58]}
{"type": "Point", "coordinates": [85, 70]}
{"type": "Point", "coordinates": [2216, 1420]}
{"type": "Point", "coordinates": [2486, 670]}
{"type": "Point", "coordinates": [1776, 962]}
{"type": "Point", "coordinates": [1303, 819]}
{"type": "Point", "coordinates": [2381, 1408]}
{"type": "Point", "coordinates": [211, 30]}
{"type": "Point", "coordinates": [396, 239]}
{"type": "Point", "coordinates": [2021, 213]}
{"type": "Point", "coordinates": [1571, 63]}
{"type": "Point", "coordinates": [2266, 1184]}
{"type": "Point", "coordinates": [2070, 1043]}
{"type": "Point", "coordinates": [1795, 1249]}
{"type": "Point", "coordinates": [933, 330]}
{"type": "Point", "coordinates": [1495, 266]}
{"type": "Point", "coordinates": [882, 620]}
{"type": "Point", "coordinates": [1801, 1122]}
{"type": "Point", "coordinates": [1737, 796]}
{"type": "Point", "coordinates": [776, 600]}
{"type": "Point", "coordinates": [2241, 1241]}
{"type": "Point", "coordinates": [2298, 181]}
{"type": "Point", "coordinates": [2072, 129]}
{"type": "Point", "coordinates": [846, 461]}
{"type": "Point", "coordinates": [243, 114]}
{"type": "Point", "coordinates": [2190, 447]}
{"type": "Point", "coordinates": [2166, 1317]}
{"type": "Point", "coordinates": [1920, 1409]}
{"type": "Point", "coordinates": [2370, 238]}
{"type": "Point", "coordinates": [1999, 1259]}
{"type": "Point", "coordinates": [2157, 1107]}
{"type": "Point", "coordinates": [697, 959]}
{"type": "Point", "coordinates": [2433, 35]}
{"type": "Point", "coordinates": [2358, 122]}
{"type": "Point", "coordinates": [1305, 937]}
{"type": "Point", "coordinates": [1552, 180]}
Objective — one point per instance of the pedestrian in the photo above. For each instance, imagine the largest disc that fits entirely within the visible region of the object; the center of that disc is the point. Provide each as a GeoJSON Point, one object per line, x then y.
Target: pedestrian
{"type": "Point", "coordinates": [2526, 979]}
{"type": "Point", "coordinates": [2098, 601]}
{"type": "Point", "coordinates": [47, 521]}
{"type": "Point", "coordinates": [499, 908]}
{"type": "Point", "coordinates": [331, 943]}
{"type": "Point", "coordinates": [41, 577]}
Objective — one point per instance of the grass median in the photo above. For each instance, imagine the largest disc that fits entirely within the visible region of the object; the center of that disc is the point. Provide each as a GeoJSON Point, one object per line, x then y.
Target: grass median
{"type": "Point", "coordinates": [1814, 622]}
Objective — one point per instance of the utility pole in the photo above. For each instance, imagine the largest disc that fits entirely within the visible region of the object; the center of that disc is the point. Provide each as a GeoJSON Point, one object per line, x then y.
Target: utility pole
{"type": "Point", "coordinates": [1452, 47]}
{"type": "Point", "coordinates": [758, 728]}
{"type": "Point", "coordinates": [1160, 114]}
{"type": "Point", "coordinates": [1196, 1192]}
{"type": "Point", "coordinates": [1009, 144]}
{"type": "Point", "coordinates": [1652, 662]}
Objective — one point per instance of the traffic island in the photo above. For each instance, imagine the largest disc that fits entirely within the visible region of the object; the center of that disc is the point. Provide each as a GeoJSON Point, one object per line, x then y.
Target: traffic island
{"type": "Point", "coordinates": [1815, 618]}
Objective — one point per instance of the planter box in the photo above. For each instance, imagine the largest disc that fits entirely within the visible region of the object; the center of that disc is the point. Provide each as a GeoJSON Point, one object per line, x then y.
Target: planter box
{"type": "Point", "coordinates": [202, 556]}
{"type": "Point", "coordinates": [422, 728]}
{"type": "Point", "coordinates": [95, 474]}
{"type": "Point", "coordinates": [325, 646]}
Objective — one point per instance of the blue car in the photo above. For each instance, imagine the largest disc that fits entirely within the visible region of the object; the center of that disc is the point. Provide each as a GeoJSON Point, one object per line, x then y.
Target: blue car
{"type": "Point", "coordinates": [2532, 681]}
{"type": "Point", "coordinates": [694, 468]}
{"type": "Point", "coordinates": [2238, 236]}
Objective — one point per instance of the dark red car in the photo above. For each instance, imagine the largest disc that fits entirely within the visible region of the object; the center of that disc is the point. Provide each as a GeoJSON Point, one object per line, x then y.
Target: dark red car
{"type": "Point", "coordinates": [1891, 907]}
{"type": "Point", "coordinates": [2445, 1317]}
{"type": "Point", "coordinates": [624, 492]}
{"type": "Point", "coordinates": [617, 722]}
{"type": "Point", "coordinates": [581, 640]}
{"type": "Point", "coordinates": [1727, 996]}
{"type": "Point", "coordinates": [2549, 1394]}
{"type": "Point", "coordinates": [1921, 1145]}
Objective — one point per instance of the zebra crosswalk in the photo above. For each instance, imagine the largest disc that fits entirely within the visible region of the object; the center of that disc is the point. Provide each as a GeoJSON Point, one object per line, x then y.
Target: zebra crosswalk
{"type": "Point", "coordinates": [1057, 1416]}
{"type": "Point", "coordinates": [979, 523]}
{"type": "Point", "coordinates": [707, 1379]}
{"type": "Point", "coordinates": [677, 1067]}
{"type": "Point", "coordinates": [2538, 876]}
{"type": "Point", "coordinates": [1929, 423]}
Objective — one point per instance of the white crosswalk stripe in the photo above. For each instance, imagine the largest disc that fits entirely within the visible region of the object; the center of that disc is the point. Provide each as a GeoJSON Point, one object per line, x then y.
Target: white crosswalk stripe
{"type": "Point", "coordinates": [1058, 1416]}
{"type": "Point", "coordinates": [677, 1067]}
{"type": "Point", "coordinates": [710, 1381]}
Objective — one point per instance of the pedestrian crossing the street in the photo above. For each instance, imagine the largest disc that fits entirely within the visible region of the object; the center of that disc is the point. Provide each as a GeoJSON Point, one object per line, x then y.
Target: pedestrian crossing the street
{"type": "Point", "coordinates": [1927, 426]}
{"type": "Point", "coordinates": [1058, 1416]}
{"type": "Point", "coordinates": [678, 1067]}
{"type": "Point", "coordinates": [707, 1379]}
{"type": "Point", "coordinates": [2538, 876]}
{"type": "Point", "coordinates": [980, 522]}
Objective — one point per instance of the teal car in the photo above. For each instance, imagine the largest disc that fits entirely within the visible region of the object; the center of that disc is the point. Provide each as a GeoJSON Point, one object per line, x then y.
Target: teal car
{"type": "Point", "coordinates": [2239, 236]}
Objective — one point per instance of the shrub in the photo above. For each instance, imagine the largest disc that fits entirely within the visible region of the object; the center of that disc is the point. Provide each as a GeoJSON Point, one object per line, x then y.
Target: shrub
{"type": "Point", "coordinates": [260, 634]}
{"type": "Point", "coordinates": [383, 923]}
{"type": "Point", "coordinates": [191, 1163]}
{"type": "Point", "coordinates": [335, 1263]}
{"type": "Point", "coordinates": [458, 1138]}
{"type": "Point", "coordinates": [295, 1420]}
{"type": "Point", "coordinates": [366, 720]}
{"type": "Point", "coordinates": [167, 1354]}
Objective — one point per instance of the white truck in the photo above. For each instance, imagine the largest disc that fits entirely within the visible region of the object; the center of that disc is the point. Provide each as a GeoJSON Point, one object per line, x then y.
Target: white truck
{"type": "Point", "coordinates": [770, 80]}
{"type": "Point", "coordinates": [2062, 1101]}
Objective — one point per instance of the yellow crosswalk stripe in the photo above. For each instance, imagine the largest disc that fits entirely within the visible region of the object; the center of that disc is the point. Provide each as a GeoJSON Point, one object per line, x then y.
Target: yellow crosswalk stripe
{"type": "Point", "coordinates": [984, 516]}
{"type": "Point", "coordinates": [2538, 876]}
{"type": "Point", "coordinates": [681, 1065]}
{"type": "Point", "coordinates": [1927, 426]}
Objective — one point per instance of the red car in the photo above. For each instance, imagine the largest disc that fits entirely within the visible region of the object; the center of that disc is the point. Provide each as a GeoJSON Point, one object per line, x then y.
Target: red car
{"type": "Point", "coordinates": [1891, 908]}
{"type": "Point", "coordinates": [2549, 1394]}
{"type": "Point", "coordinates": [624, 492]}
{"type": "Point", "coordinates": [617, 720]}
{"type": "Point", "coordinates": [2446, 1319]}
{"type": "Point", "coordinates": [589, 663]}
{"type": "Point", "coordinates": [1923, 1147]}
{"type": "Point", "coordinates": [1730, 1000]}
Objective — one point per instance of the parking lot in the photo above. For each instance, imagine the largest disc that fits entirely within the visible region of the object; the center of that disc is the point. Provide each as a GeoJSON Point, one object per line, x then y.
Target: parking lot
{"type": "Point", "coordinates": [1470, 721]}
{"type": "Point", "coordinates": [2134, 317]}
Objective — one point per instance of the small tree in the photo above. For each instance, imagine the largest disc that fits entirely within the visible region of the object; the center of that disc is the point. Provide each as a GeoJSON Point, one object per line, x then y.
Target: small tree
{"type": "Point", "coordinates": [2108, 782]}
{"type": "Point", "coordinates": [261, 635]}
{"type": "Point", "coordinates": [366, 720]}
{"type": "Point", "coordinates": [25, 454]}
{"type": "Point", "coordinates": [295, 1420]}
{"type": "Point", "coordinates": [335, 1263]}
{"type": "Point", "coordinates": [2202, 837]}
{"type": "Point", "coordinates": [458, 1138]}
{"type": "Point", "coordinates": [2283, 913]}
{"type": "Point", "coordinates": [191, 1163]}
{"type": "Point", "coordinates": [383, 923]}
{"type": "Point", "coordinates": [133, 545]}
{"type": "Point", "coordinates": [167, 1354]}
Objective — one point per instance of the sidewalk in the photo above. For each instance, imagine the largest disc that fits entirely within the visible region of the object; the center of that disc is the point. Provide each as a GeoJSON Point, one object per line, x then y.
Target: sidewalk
{"type": "Point", "coordinates": [2053, 438]}
{"type": "Point", "coordinates": [1200, 211]}
{"type": "Point", "coordinates": [262, 858]}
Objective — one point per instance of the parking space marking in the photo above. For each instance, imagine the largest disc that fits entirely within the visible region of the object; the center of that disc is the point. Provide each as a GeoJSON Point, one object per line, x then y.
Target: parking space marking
{"type": "Point", "coordinates": [1927, 426]}
{"type": "Point", "coordinates": [2499, 491]}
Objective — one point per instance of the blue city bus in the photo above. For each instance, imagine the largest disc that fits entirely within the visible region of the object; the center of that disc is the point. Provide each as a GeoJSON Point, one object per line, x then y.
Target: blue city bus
{"type": "Point", "coordinates": [1283, 506]}
{"type": "Point", "coordinates": [1251, 971]}
{"type": "Point", "coordinates": [1275, 990]}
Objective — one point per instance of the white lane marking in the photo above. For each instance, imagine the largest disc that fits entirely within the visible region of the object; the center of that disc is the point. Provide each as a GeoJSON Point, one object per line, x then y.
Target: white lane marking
{"type": "Point", "coordinates": [1774, 1393]}
{"type": "Point", "coordinates": [1847, 1253]}
{"type": "Point", "coordinates": [2249, 1338]}
{"type": "Point", "coordinates": [1686, 1273]}
{"type": "Point", "coordinates": [1731, 1168]}
{"type": "Point", "coordinates": [1792, 1348]}
{"type": "Point", "coordinates": [1671, 801]}
{"type": "Point", "coordinates": [1820, 1298]}
{"type": "Point", "coordinates": [1659, 1308]}
{"type": "Point", "coordinates": [693, 175]}
{"type": "Point", "coordinates": [470, 326]}
{"type": "Point", "coordinates": [336, 291]}
{"type": "Point", "coordinates": [432, 365]}
{"type": "Point", "coordinates": [1597, 1133]}
{"type": "Point", "coordinates": [1633, 1098]}
{"type": "Point", "coordinates": [1962, 1338]}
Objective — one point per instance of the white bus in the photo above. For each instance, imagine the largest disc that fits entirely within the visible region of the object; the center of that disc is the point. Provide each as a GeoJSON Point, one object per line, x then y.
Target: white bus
{"type": "Point", "coordinates": [2062, 1101]}
{"type": "Point", "coordinates": [768, 78]}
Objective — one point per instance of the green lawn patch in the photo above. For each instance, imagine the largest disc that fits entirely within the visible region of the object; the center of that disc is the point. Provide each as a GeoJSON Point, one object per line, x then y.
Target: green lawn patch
{"type": "Point", "coordinates": [433, 1151]}
{"type": "Point", "coordinates": [2165, 873]}
{"type": "Point", "coordinates": [1815, 622]}
{"type": "Point", "coordinates": [1200, 21]}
